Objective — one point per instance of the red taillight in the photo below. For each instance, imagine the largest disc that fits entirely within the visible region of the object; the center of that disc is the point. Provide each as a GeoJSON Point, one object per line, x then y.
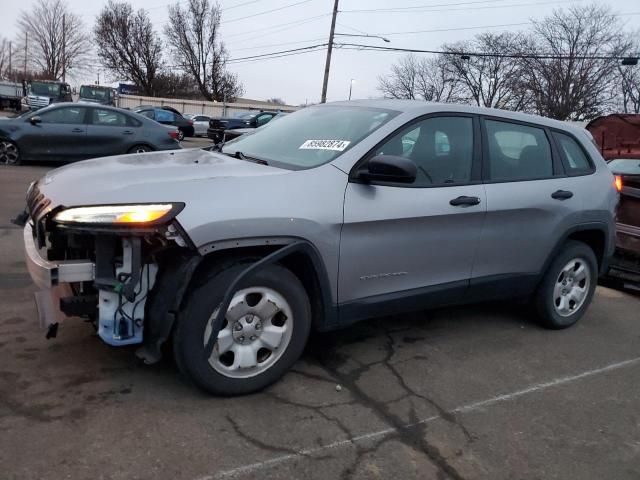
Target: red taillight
{"type": "Point", "coordinates": [618, 183]}
{"type": "Point", "coordinates": [173, 134]}
{"type": "Point", "coordinates": [190, 122]}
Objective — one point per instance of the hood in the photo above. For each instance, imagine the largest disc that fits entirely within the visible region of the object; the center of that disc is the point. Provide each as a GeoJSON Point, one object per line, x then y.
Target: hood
{"type": "Point", "coordinates": [176, 176]}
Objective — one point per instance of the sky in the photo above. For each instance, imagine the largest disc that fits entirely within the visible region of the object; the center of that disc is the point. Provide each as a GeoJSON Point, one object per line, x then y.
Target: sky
{"type": "Point", "coordinates": [254, 27]}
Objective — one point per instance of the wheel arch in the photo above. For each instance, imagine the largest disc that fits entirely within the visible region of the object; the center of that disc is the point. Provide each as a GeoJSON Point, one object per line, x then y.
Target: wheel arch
{"type": "Point", "coordinates": [593, 234]}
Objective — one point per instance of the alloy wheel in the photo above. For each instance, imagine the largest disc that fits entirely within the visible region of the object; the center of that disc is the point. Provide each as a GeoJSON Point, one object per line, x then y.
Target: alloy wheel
{"type": "Point", "coordinates": [8, 153]}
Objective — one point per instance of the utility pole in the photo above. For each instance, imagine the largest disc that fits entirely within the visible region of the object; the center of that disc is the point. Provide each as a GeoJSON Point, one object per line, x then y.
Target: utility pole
{"type": "Point", "coordinates": [26, 51]}
{"type": "Point", "coordinates": [64, 48]}
{"type": "Point", "coordinates": [327, 65]}
{"type": "Point", "coordinates": [10, 67]}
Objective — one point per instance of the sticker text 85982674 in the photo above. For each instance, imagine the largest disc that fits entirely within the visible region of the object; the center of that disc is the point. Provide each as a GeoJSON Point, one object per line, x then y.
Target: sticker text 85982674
{"type": "Point", "coordinates": [337, 145]}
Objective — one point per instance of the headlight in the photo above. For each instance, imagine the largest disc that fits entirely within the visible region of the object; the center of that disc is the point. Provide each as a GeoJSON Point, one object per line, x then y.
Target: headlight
{"type": "Point", "coordinates": [119, 214]}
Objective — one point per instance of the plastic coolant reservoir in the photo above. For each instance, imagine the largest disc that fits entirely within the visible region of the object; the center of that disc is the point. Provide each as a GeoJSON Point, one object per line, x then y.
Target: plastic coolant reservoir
{"type": "Point", "coordinates": [121, 322]}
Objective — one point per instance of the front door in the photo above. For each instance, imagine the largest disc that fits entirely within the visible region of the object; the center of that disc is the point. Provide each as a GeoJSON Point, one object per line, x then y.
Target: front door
{"type": "Point", "coordinates": [60, 134]}
{"type": "Point", "coordinates": [109, 133]}
{"type": "Point", "coordinates": [403, 243]}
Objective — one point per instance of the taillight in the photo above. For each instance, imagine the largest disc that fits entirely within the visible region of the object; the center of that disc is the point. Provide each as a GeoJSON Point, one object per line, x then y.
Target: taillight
{"type": "Point", "coordinates": [618, 183]}
{"type": "Point", "coordinates": [190, 122]}
{"type": "Point", "coordinates": [173, 134]}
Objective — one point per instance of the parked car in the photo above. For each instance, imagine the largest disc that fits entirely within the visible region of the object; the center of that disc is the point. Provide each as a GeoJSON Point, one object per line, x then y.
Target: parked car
{"type": "Point", "coordinates": [238, 132]}
{"type": "Point", "coordinates": [351, 222]}
{"type": "Point", "coordinates": [625, 265]}
{"type": "Point", "coordinates": [218, 126]}
{"type": "Point", "coordinates": [70, 132]}
{"type": "Point", "coordinates": [200, 123]}
{"type": "Point", "coordinates": [97, 94]}
{"type": "Point", "coordinates": [168, 116]}
{"type": "Point", "coordinates": [42, 93]}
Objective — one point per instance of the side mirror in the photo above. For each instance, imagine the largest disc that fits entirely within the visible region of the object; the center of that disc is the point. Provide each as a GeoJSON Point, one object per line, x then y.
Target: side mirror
{"type": "Point", "coordinates": [388, 168]}
{"type": "Point", "coordinates": [35, 120]}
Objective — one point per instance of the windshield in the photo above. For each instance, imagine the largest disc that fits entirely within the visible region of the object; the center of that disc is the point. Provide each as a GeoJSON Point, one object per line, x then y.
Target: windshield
{"type": "Point", "coordinates": [312, 136]}
{"type": "Point", "coordinates": [629, 166]}
{"type": "Point", "coordinates": [48, 89]}
{"type": "Point", "coordinates": [245, 116]}
{"type": "Point", "coordinates": [95, 93]}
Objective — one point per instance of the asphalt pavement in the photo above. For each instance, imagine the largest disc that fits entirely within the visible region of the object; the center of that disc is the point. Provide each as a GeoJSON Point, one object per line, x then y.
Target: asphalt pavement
{"type": "Point", "coordinates": [476, 392]}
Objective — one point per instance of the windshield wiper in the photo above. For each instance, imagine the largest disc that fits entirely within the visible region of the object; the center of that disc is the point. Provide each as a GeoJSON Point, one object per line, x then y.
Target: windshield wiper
{"type": "Point", "coordinates": [241, 156]}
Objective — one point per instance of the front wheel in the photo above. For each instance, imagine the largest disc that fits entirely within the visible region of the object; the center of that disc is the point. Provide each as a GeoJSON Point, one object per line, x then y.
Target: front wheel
{"type": "Point", "coordinates": [568, 286]}
{"type": "Point", "coordinates": [264, 331]}
{"type": "Point", "coordinates": [9, 153]}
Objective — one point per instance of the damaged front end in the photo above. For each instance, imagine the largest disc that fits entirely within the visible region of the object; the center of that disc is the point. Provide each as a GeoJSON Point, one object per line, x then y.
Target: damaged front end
{"type": "Point", "coordinates": [123, 267]}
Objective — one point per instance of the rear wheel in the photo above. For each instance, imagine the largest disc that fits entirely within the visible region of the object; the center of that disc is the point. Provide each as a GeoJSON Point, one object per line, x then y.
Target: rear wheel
{"type": "Point", "coordinates": [180, 135]}
{"type": "Point", "coordinates": [568, 286]}
{"type": "Point", "coordinates": [264, 331]}
{"type": "Point", "coordinates": [9, 153]}
{"type": "Point", "coordinates": [140, 149]}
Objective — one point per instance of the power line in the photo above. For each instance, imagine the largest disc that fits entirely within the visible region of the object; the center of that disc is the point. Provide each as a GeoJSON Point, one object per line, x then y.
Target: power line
{"type": "Point", "coordinates": [554, 2]}
{"type": "Point", "coordinates": [417, 7]}
{"type": "Point", "coordinates": [357, 46]}
{"type": "Point", "coordinates": [287, 26]}
{"type": "Point", "coordinates": [278, 44]}
{"type": "Point", "coordinates": [279, 52]}
{"type": "Point", "coordinates": [266, 11]}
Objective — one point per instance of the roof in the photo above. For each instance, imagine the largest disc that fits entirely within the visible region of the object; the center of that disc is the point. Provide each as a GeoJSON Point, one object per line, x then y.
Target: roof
{"type": "Point", "coordinates": [632, 119]}
{"type": "Point", "coordinates": [421, 107]}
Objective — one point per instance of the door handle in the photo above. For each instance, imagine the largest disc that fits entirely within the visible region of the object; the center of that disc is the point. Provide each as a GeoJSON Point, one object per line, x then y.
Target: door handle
{"type": "Point", "coordinates": [127, 132]}
{"type": "Point", "coordinates": [78, 130]}
{"type": "Point", "coordinates": [464, 201]}
{"type": "Point", "coordinates": [562, 194]}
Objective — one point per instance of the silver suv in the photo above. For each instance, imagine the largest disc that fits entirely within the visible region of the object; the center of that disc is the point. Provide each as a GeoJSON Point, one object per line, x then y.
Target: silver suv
{"type": "Point", "coordinates": [334, 214]}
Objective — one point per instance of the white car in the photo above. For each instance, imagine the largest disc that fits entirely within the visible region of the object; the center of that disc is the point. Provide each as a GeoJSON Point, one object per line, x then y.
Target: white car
{"type": "Point", "coordinates": [200, 123]}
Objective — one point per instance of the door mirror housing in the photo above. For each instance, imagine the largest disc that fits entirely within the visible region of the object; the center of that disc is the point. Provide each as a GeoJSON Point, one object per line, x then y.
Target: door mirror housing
{"type": "Point", "coordinates": [35, 120]}
{"type": "Point", "coordinates": [388, 168]}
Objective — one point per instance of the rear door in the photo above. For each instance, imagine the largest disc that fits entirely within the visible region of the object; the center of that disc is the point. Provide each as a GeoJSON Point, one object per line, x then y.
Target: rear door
{"type": "Point", "coordinates": [110, 132]}
{"type": "Point", "coordinates": [403, 243]}
{"type": "Point", "coordinates": [531, 203]}
{"type": "Point", "coordinates": [60, 134]}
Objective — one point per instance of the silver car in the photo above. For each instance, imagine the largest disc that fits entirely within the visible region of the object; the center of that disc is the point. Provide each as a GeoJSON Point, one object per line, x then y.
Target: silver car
{"type": "Point", "coordinates": [200, 123]}
{"type": "Point", "coordinates": [334, 214]}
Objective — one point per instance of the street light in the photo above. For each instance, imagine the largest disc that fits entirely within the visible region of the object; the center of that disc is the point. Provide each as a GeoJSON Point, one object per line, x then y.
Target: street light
{"type": "Point", "coordinates": [364, 35]}
{"type": "Point", "coordinates": [353, 80]}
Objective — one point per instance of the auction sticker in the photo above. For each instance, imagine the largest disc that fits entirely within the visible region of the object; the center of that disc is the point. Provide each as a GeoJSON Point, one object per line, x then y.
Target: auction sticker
{"type": "Point", "coordinates": [337, 145]}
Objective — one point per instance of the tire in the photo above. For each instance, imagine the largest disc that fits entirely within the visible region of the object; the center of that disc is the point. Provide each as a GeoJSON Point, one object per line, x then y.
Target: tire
{"type": "Point", "coordinates": [567, 287]}
{"type": "Point", "coordinates": [266, 329]}
{"type": "Point", "coordinates": [180, 135]}
{"type": "Point", "coordinates": [140, 149]}
{"type": "Point", "coordinates": [9, 153]}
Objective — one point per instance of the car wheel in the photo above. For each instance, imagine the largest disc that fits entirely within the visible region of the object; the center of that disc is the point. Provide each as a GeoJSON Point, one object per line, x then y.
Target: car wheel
{"type": "Point", "coordinates": [140, 149]}
{"type": "Point", "coordinates": [264, 332]}
{"type": "Point", "coordinates": [180, 135]}
{"type": "Point", "coordinates": [567, 287]}
{"type": "Point", "coordinates": [9, 153]}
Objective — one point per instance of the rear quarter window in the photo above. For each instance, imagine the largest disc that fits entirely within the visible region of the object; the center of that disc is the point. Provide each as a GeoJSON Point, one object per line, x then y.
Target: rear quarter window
{"type": "Point", "coordinates": [574, 157]}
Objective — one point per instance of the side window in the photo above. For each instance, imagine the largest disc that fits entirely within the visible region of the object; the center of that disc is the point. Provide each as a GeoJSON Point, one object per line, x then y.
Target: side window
{"type": "Point", "coordinates": [575, 160]}
{"type": "Point", "coordinates": [441, 148]}
{"type": "Point", "coordinates": [263, 119]}
{"type": "Point", "coordinates": [108, 118]}
{"type": "Point", "coordinates": [164, 116]}
{"type": "Point", "coordinates": [148, 113]}
{"type": "Point", "coordinates": [200, 118]}
{"type": "Point", "coordinates": [64, 115]}
{"type": "Point", "coordinates": [517, 152]}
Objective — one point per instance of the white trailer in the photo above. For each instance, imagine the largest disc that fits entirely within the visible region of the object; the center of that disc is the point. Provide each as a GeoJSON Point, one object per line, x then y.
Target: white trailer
{"type": "Point", "coordinates": [11, 94]}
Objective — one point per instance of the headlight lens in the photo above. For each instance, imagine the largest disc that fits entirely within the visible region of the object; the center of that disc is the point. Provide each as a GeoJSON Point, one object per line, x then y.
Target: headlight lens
{"type": "Point", "coordinates": [118, 214]}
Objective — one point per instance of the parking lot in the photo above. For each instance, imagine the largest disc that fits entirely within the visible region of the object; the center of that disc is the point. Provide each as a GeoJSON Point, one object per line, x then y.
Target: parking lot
{"type": "Point", "coordinates": [475, 392]}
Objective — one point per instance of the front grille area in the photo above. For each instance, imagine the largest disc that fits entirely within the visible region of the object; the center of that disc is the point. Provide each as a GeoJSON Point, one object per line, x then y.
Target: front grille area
{"type": "Point", "coordinates": [217, 124]}
{"type": "Point", "coordinates": [37, 102]}
{"type": "Point", "coordinates": [37, 204]}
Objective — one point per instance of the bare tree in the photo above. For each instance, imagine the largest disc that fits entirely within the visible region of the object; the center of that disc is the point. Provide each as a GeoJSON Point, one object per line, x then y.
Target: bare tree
{"type": "Point", "coordinates": [276, 101]}
{"type": "Point", "coordinates": [193, 33]}
{"type": "Point", "coordinates": [490, 80]}
{"type": "Point", "coordinates": [577, 86]}
{"type": "Point", "coordinates": [627, 85]}
{"type": "Point", "coordinates": [127, 44]}
{"type": "Point", "coordinates": [425, 78]}
{"type": "Point", "coordinates": [175, 85]}
{"type": "Point", "coordinates": [4, 57]}
{"type": "Point", "coordinates": [57, 38]}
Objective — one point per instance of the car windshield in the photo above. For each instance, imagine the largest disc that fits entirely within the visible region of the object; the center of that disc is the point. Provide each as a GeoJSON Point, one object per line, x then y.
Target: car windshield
{"type": "Point", "coordinates": [245, 116]}
{"type": "Point", "coordinates": [94, 93]}
{"type": "Point", "coordinates": [310, 137]}
{"type": "Point", "coordinates": [630, 166]}
{"type": "Point", "coordinates": [51, 89]}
